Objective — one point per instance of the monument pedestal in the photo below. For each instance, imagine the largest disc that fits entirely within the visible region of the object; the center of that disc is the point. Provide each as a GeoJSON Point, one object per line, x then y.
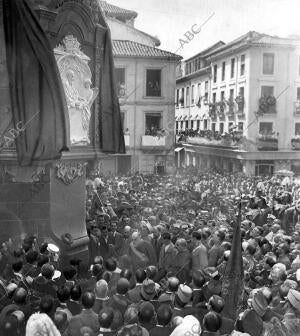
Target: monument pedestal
{"type": "Point", "coordinates": [48, 201]}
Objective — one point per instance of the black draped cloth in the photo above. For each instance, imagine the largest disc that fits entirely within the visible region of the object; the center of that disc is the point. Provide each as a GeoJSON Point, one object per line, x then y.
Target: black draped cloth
{"type": "Point", "coordinates": [37, 96]}
{"type": "Point", "coordinates": [110, 123]}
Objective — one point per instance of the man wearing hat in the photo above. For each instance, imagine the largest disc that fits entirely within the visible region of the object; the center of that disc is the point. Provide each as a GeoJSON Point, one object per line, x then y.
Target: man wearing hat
{"type": "Point", "coordinates": [166, 256]}
{"type": "Point", "coordinates": [182, 299]}
{"type": "Point", "coordinates": [291, 318]}
{"type": "Point", "coordinates": [216, 304]}
{"type": "Point", "coordinates": [141, 252]}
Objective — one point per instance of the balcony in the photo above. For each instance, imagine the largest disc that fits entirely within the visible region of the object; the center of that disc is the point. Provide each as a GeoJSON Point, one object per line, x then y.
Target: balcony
{"type": "Point", "coordinates": [267, 105]}
{"type": "Point", "coordinates": [127, 140]}
{"type": "Point", "coordinates": [267, 143]}
{"type": "Point", "coordinates": [297, 108]}
{"type": "Point", "coordinates": [295, 142]}
{"type": "Point", "coordinates": [150, 142]}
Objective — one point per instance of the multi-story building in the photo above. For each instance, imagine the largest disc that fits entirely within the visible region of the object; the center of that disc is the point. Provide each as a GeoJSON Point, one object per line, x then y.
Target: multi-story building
{"type": "Point", "coordinates": [146, 79]}
{"type": "Point", "coordinates": [254, 114]}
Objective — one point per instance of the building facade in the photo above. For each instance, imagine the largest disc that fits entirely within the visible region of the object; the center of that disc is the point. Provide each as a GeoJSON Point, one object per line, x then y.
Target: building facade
{"type": "Point", "coordinates": [253, 108]}
{"type": "Point", "coordinates": [146, 79]}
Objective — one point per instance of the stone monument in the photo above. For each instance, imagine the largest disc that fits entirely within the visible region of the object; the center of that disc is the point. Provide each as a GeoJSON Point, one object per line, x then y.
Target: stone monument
{"type": "Point", "coordinates": [48, 198]}
{"type": "Point", "coordinates": [76, 78]}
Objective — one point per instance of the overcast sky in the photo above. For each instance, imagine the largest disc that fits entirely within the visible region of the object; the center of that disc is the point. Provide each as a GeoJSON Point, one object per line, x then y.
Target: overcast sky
{"type": "Point", "coordinates": [170, 19]}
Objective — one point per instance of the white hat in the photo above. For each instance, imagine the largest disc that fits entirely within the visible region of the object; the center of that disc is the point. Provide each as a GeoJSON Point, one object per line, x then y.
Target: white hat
{"type": "Point", "coordinates": [189, 326]}
{"type": "Point", "coordinates": [294, 298]}
{"type": "Point", "coordinates": [56, 275]}
{"type": "Point", "coordinates": [53, 248]}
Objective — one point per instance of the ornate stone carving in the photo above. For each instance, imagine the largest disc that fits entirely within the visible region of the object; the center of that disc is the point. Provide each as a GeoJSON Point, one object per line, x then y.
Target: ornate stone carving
{"type": "Point", "coordinates": [76, 78]}
{"type": "Point", "coordinates": [68, 172]}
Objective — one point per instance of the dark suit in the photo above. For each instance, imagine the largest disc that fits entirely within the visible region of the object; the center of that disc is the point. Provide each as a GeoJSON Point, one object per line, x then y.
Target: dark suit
{"type": "Point", "coordinates": [160, 331]}
{"type": "Point", "coordinates": [291, 217]}
{"type": "Point", "coordinates": [166, 259]}
{"type": "Point", "coordinates": [74, 307]}
{"type": "Point", "coordinates": [134, 294]}
{"type": "Point", "coordinates": [87, 318]}
{"type": "Point", "coordinates": [117, 241]}
{"type": "Point", "coordinates": [119, 302]}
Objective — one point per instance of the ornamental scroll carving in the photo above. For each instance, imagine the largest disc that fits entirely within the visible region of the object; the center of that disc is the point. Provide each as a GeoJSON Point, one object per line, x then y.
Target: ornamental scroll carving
{"type": "Point", "coordinates": [69, 172]}
{"type": "Point", "coordinates": [76, 78]}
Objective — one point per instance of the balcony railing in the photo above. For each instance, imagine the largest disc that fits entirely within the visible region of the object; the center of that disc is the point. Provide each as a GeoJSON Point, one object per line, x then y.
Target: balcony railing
{"type": "Point", "coordinates": [297, 108]}
{"type": "Point", "coordinates": [267, 143]}
{"type": "Point", "coordinates": [153, 142]}
{"type": "Point", "coordinates": [295, 142]}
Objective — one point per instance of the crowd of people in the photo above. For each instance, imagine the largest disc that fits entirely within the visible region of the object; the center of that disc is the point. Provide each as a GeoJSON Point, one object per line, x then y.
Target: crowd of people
{"type": "Point", "coordinates": [233, 136]}
{"type": "Point", "coordinates": [159, 249]}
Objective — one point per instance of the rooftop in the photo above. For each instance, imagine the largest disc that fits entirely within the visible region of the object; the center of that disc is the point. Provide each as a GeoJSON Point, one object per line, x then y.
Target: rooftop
{"type": "Point", "coordinates": [115, 11]}
{"type": "Point", "coordinates": [254, 38]}
{"type": "Point", "coordinates": [134, 49]}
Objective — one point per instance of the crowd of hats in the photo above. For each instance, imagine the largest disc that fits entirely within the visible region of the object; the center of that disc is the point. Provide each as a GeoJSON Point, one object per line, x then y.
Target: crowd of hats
{"type": "Point", "coordinates": [42, 292]}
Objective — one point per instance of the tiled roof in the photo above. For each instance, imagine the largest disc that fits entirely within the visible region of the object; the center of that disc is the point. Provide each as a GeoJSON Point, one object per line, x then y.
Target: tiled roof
{"type": "Point", "coordinates": [112, 10]}
{"type": "Point", "coordinates": [134, 49]}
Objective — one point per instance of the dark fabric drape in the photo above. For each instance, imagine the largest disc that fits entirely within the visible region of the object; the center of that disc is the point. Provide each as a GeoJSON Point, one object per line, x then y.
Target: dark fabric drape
{"type": "Point", "coordinates": [233, 280]}
{"type": "Point", "coordinates": [110, 123]}
{"type": "Point", "coordinates": [36, 91]}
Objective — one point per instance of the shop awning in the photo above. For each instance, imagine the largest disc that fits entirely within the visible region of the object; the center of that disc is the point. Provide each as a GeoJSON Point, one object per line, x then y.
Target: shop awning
{"type": "Point", "coordinates": [178, 149]}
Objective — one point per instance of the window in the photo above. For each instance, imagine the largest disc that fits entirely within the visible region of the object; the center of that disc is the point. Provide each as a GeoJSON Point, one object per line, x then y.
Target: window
{"type": "Point", "coordinates": [213, 127]}
{"type": "Point", "coordinates": [206, 90]}
{"type": "Point", "coordinates": [187, 95]}
{"type": "Point", "coordinates": [241, 126]}
{"type": "Point", "coordinates": [153, 87]}
{"type": "Point", "coordinates": [221, 128]}
{"type": "Point", "coordinates": [297, 129]}
{"type": "Point", "coordinates": [268, 64]}
{"type": "Point", "coordinates": [232, 67]}
{"type": "Point", "coordinates": [222, 96]}
{"type": "Point", "coordinates": [182, 97]}
{"type": "Point", "coordinates": [177, 98]}
{"type": "Point", "coordinates": [230, 126]}
{"type": "Point", "coordinates": [177, 126]}
{"type": "Point", "coordinates": [265, 128]}
{"type": "Point", "coordinates": [206, 86]}
{"type": "Point", "coordinates": [215, 73]}
{"type": "Point", "coordinates": [267, 91]}
{"type": "Point", "coordinates": [186, 124]}
{"type": "Point", "coordinates": [198, 124]}
{"type": "Point", "coordinates": [242, 91]}
{"type": "Point", "coordinates": [263, 168]}
{"type": "Point", "coordinates": [205, 124]}
{"type": "Point", "coordinates": [231, 94]}
{"type": "Point", "coordinates": [192, 124]}
{"type": "Point", "coordinates": [223, 71]}
{"type": "Point", "coordinates": [199, 91]}
{"type": "Point", "coordinates": [153, 123]}
{"type": "Point", "coordinates": [242, 69]}
{"type": "Point", "coordinates": [120, 81]}
{"type": "Point", "coordinates": [181, 125]}
{"type": "Point", "coordinates": [298, 93]}
{"type": "Point", "coordinates": [214, 97]}
{"type": "Point", "coordinates": [193, 95]}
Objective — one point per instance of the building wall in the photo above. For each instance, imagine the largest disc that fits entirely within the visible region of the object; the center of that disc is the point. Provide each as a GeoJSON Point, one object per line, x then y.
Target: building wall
{"type": "Point", "coordinates": [122, 31]}
{"type": "Point", "coordinates": [135, 105]}
{"type": "Point", "coordinates": [190, 110]}
{"type": "Point", "coordinates": [285, 81]}
{"type": "Point", "coordinates": [232, 83]}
